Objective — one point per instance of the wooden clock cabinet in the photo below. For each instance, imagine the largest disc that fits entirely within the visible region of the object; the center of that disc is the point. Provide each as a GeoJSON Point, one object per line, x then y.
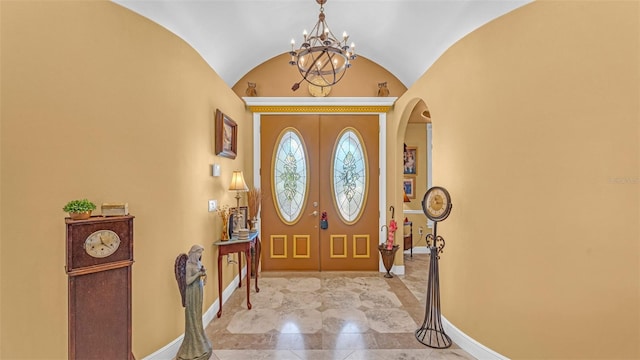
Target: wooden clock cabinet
{"type": "Point", "coordinates": [99, 259]}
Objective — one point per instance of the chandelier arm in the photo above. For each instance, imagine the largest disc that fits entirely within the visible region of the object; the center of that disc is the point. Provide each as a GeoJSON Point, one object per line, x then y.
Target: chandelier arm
{"type": "Point", "coordinates": [330, 56]}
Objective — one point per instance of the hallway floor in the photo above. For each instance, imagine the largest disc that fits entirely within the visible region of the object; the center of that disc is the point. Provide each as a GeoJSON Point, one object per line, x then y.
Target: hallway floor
{"type": "Point", "coordinates": [328, 316]}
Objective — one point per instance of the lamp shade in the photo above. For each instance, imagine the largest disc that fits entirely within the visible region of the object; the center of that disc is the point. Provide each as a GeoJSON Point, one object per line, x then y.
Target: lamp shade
{"type": "Point", "coordinates": [237, 182]}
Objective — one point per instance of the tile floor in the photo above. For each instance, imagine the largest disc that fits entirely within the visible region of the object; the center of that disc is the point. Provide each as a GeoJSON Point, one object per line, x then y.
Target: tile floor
{"type": "Point", "coordinates": [329, 315]}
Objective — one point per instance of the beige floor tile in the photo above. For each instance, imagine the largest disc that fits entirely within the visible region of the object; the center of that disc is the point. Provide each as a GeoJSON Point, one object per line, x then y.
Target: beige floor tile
{"type": "Point", "coordinates": [329, 316]}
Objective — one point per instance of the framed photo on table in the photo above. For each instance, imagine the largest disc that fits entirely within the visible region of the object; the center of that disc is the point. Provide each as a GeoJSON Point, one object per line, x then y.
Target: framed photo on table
{"type": "Point", "coordinates": [238, 221]}
{"type": "Point", "coordinates": [409, 186]}
{"type": "Point", "coordinates": [226, 136]}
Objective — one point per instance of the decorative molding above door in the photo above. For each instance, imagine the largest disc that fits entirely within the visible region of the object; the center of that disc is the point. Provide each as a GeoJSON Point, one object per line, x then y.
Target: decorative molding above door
{"type": "Point", "coordinates": [319, 105]}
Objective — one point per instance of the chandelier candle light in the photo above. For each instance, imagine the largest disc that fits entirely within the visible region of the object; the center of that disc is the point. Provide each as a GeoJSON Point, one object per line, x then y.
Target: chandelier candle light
{"type": "Point", "coordinates": [322, 57]}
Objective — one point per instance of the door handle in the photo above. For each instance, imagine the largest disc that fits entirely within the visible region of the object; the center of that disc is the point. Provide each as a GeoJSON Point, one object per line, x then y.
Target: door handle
{"type": "Point", "coordinates": [314, 213]}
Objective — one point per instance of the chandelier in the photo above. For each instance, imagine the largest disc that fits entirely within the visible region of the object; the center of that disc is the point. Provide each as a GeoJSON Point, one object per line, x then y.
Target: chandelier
{"type": "Point", "coordinates": [322, 59]}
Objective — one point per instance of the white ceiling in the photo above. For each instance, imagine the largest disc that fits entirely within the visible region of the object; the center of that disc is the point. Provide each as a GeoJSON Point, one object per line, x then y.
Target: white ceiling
{"type": "Point", "coordinates": [404, 36]}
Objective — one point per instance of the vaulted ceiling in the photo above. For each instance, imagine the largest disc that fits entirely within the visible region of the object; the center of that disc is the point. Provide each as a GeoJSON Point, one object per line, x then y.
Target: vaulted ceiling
{"type": "Point", "coordinates": [403, 36]}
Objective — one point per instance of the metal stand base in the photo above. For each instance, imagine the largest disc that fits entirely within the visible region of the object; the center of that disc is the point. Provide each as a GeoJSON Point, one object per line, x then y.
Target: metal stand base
{"type": "Point", "coordinates": [432, 333]}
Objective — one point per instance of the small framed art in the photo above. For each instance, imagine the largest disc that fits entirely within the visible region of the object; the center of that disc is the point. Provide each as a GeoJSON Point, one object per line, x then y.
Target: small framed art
{"type": "Point", "coordinates": [409, 185]}
{"type": "Point", "coordinates": [226, 136]}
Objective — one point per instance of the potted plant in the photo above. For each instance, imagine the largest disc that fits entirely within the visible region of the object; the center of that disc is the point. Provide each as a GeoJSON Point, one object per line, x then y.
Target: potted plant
{"type": "Point", "coordinates": [79, 209]}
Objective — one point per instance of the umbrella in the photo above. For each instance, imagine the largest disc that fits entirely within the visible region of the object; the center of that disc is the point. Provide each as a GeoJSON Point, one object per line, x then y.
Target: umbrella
{"type": "Point", "coordinates": [393, 226]}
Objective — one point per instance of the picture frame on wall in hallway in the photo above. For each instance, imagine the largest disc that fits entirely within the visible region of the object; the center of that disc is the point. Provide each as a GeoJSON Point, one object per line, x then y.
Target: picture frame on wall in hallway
{"type": "Point", "coordinates": [409, 186]}
{"type": "Point", "coordinates": [411, 160]}
{"type": "Point", "coordinates": [226, 136]}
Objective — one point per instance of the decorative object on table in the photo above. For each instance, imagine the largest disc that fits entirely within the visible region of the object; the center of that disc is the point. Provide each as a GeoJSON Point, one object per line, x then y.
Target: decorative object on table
{"type": "Point", "coordinates": [436, 205]}
{"type": "Point", "coordinates": [191, 277]}
{"type": "Point", "coordinates": [79, 209]}
{"type": "Point", "coordinates": [410, 161]}
{"type": "Point", "coordinates": [383, 90]}
{"type": "Point", "coordinates": [119, 209]}
{"type": "Point", "coordinates": [409, 186]}
{"type": "Point", "coordinates": [243, 234]}
{"type": "Point", "coordinates": [99, 261]}
{"type": "Point", "coordinates": [324, 223]}
{"type": "Point", "coordinates": [388, 256]}
{"type": "Point", "coordinates": [251, 89]}
{"type": "Point", "coordinates": [224, 213]}
{"type": "Point", "coordinates": [254, 200]}
{"type": "Point", "coordinates": [237, 220]}
{"type": "Point", "coordinates": [226, 143]}
{"type": "Point", "coordinates": [321, 54]}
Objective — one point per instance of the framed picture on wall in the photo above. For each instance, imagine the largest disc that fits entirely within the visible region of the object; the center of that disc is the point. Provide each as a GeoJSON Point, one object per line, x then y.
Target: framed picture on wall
{"type": "Point", "coordinates": [409, 185]}
{"type": "Point", "coordinates": [226, 136]}
{"type": "Point", "coordinates": [410, 160]}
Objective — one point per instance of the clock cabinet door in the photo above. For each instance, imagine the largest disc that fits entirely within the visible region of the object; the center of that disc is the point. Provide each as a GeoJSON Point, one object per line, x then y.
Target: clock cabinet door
{"type": "Point", "coordinates": [100, 315]}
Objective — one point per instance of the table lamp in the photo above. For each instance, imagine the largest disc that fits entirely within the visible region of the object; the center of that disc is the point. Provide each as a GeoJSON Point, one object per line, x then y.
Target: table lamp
{"type": "Point", "coordinates": [238, 185]}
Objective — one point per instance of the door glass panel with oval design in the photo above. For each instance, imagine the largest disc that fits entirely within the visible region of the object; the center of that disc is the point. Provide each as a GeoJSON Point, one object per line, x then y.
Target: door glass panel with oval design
{"type": "Point", "coordinates": [290, 177]}
{"type": "Point", "coordinates": [349, 175]}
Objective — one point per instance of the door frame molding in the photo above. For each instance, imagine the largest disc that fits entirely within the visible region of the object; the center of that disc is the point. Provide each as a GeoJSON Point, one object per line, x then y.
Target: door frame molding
{"type": "Point", "coordinates": [331, 105]}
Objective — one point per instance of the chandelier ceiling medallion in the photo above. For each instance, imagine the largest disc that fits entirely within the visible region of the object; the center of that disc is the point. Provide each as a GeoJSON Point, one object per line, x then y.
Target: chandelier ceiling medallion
{"type": "Point", "coordinates": [322, 59]}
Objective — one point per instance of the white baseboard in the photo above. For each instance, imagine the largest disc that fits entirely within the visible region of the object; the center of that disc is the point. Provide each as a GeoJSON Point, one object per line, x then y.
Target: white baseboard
{"type": "Point", "coordinates": [169, 351]}
{"type": "Point", "coordinates": [468, 344]}
{"type": "Point", "coordinates": [418, 250]}
{"type": "Point", "coordinates": [395, 269]}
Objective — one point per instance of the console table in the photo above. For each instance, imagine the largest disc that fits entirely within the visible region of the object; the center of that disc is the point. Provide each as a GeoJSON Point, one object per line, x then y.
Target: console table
{"type": "Point", "coordinates": [234, 245]}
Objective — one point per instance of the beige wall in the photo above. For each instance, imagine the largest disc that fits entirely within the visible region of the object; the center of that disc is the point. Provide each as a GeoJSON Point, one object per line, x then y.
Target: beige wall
{"type": "Point", "coordinates": [98, 102]}
{"type": "Point", "coordinates": [275, 77]}
{"type": "Point", "coordinates": [536, 137]}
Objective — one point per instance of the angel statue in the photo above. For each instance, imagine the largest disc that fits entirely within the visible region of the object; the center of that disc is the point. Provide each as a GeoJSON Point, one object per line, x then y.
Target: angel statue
{"type": "Point", "coordinates": [191, 277]}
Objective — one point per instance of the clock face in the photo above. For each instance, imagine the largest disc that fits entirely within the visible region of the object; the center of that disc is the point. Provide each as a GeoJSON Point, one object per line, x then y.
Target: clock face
{"type": "Point", "coordinates": [436, 203]}
{"type": "Point", "coordinates": [102, 243]}
{"type": "Point", "coordinates": [319, 87]}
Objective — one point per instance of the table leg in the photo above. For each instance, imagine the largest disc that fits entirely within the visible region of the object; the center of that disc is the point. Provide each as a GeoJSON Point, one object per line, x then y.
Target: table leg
{"type": "Point", "coordinates": [258, 247]}
{"type": "Point", "coordinates": [247, 253]}
{"type": "Point", "coordinates": [220, 284]}
{"type": "Point", "coordinates": [239, 270]}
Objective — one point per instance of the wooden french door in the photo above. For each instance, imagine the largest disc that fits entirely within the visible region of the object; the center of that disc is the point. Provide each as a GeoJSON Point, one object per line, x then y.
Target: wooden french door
{"type": "Point", "coordinates": [312, 165]}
